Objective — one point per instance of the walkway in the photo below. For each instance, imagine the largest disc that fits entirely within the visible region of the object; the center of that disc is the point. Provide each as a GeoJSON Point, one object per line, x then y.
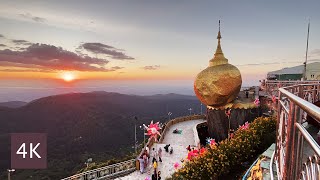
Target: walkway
{"type": "Point", "coordinates": [179, 142]}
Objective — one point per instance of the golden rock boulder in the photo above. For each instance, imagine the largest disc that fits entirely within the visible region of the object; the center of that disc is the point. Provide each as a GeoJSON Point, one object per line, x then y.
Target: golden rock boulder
{"type": "Point", "coordinates": [219, 83]}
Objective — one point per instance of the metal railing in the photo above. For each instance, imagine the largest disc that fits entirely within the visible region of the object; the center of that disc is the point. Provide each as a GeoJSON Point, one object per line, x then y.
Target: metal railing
{"type": "Point", "coordinates": [295, 104]}
{"type": "Point", "coordinates": [108, 172]}
{"type": "Point", "coordinates": [272, 86]}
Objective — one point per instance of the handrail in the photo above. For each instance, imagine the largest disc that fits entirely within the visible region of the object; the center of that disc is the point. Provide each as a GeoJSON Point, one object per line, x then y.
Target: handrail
{"type": "Point", "coordinates": [292, 109]}
{"type": "Point", "coordinates": [308, 107]}
{"type": "Point", "coordinates": [270, 166]}
{"type": "Point", "coordinates": [90, 172]}
{"type": "Point", "coordinates": [309, 138]}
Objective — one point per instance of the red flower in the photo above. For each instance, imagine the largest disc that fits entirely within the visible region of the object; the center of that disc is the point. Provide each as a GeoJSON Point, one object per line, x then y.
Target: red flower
{"type": "Point", "coordinates": [202, 150]}
{"type": "Point", "coordinates": [228, 112]}
{"type": "Point", "coordinates": [274, 98]}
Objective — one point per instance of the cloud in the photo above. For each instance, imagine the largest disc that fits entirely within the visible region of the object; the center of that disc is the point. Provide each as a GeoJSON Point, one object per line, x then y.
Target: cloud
{"type": "Point", "coordinates": [315, 52]}
{"type": "Point", "coordinates": [34, 18]}
{"type": "Point", "coordinates": [3, 45]}
{"type": "Point", "coordinates": [271, 63]}
{"type": "Point", "coordinates": [103, 49]}
{"type": "Point", "coordinates": [21, 42]}
{"type": "Point", "coordinates": [25, 70]}
{"type": "Point", "coordinates": [49, 57]}
{"type": "Point", "coordinates": [313, 60]}
{"type": "Point", "coordinates": [154, 67]}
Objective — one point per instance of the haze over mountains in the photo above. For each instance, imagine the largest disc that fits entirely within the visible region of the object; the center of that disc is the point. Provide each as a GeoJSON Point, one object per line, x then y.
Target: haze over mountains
{"type": "Point", "coordinates": [99, 125]}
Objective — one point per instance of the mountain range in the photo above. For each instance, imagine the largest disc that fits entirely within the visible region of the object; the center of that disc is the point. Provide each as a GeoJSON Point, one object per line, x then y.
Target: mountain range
{"type": "Point", "coordinates": [97, 125]}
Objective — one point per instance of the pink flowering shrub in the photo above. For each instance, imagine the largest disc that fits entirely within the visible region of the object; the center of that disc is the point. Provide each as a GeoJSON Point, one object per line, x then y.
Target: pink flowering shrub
{"type": "Point", "coordinates": [219, 159]}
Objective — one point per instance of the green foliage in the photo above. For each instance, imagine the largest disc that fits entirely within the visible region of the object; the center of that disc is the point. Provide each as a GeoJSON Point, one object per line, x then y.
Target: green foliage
{"type": "Point", "coordinates": [220, 159]}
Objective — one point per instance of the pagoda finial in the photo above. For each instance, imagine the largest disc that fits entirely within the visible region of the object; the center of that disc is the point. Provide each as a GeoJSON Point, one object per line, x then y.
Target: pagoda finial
{"type": "Point", "coordinates": [218, 55]}
{"type": "Point", "coordinates": [219, 34]}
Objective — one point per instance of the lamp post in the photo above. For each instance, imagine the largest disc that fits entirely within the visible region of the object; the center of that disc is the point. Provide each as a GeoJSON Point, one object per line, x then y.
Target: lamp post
{"type": "Point", "coordinates": [201, 108]}
{"type": "Point", "coordinates": [169, 114]}
{"type": "Point", "coordinates": [190, 109]}
{"type": "Point", "coordinates": [144, 134]}
{"type": "Point", "coordinates": [135, 133]}
{"type": "Point", "coordinates": [9, 173]}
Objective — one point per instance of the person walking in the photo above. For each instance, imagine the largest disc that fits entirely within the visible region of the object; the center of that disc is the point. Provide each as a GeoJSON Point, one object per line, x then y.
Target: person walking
{"type": "Point", "coordinates": [159, 177]}
{"type": "Point", "coordinates": [166, 147]}
{"type": "Point", "coordinates": [141, 164]}
{"type": "Point", "coordinates": [154, 176]}
{"type": "Point", "coordinates": [145, 159]}
{"type": "Point", "coordinates": [160, 154]}
{"type": "Point", "coordinates": [171, 150]}
{"type": "Point", "coordinates": [153, 155]}
{"type": "Point", "coordinates": [155, 166]}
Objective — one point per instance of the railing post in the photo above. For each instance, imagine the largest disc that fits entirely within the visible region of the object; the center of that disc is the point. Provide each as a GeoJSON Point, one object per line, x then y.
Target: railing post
{"type": "Point", "coordinates": [299, 138]}
{"type": "Point", "coordinates": [279, 134]}
{"type": "Point", "coordinates": [289, 156]}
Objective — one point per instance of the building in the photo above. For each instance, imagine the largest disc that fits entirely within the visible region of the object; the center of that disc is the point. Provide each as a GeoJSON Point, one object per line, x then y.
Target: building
{"type": "Point", "coordinates": [296, 72]}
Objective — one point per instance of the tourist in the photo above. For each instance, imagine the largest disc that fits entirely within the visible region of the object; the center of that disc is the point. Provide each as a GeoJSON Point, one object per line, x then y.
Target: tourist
{"type": "Point", "coordinates": [141, 164]}
{"type": "Point", "coordinates": [154, 176]}
{"type": "Point", "coordinates": [145, 159]}
{"type": "Point", "coordinates": [247, 94]}
{"type": "Point", "coordinates": [160, 154]}
{"type": "Point", "coordinates": [175, 131]}
{"type": "Point", "coordinates": [195, 151]}
{"type": "Point", "coordinates": [147, 149]}
{"type": "Point", "coordinates": [166, 147]}
{"type": "Point", "coordinates": [153, 155]}
{"type": "Point", "coordinates": [171, 150]}
{"type": "Point", "coordinates": [188, 148]}
{"type": "Point", "coordinates": [159, 177]}
{"type": "Point", "coordinates": [155, 165]}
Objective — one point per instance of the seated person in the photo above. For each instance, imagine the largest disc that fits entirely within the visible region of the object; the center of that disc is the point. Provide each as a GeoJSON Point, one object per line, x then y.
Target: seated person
{"type": "Point", "coordinates": [175, 131]}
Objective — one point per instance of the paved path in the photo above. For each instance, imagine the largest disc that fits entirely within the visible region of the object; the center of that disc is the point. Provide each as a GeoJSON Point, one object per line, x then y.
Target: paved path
{"type": "Point", "coordinates": [179, 142]}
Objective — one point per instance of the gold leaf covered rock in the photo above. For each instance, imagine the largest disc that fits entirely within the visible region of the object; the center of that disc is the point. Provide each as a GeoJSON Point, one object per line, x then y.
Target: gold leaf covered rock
{"type": "Point", "coordinates": [219, 83]}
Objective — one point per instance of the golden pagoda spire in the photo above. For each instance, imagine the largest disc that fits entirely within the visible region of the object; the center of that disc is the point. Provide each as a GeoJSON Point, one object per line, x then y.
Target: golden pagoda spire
{"type": "Point", "coordinates": [218, 55]}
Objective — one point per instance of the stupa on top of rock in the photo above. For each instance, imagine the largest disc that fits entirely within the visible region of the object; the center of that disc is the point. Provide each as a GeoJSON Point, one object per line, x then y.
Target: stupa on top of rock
{"type": "Point", "coordinates": [218, 87]}
{"type": "Point", "coordinates": [219, 83]}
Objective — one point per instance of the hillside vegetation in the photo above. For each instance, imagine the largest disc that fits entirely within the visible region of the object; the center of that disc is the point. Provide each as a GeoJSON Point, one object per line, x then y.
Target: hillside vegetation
{"type": "Point", "coordinates": [97, 125]}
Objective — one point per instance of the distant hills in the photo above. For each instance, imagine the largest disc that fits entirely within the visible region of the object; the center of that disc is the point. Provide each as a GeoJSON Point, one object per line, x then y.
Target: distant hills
{"type": "Point", "coordinates": [98, 125]}
{"type": "Point", "coordinates": [12, 104]}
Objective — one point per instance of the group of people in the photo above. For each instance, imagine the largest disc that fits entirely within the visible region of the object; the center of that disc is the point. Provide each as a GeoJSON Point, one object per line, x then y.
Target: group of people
{"type": "Point", "coordinates": [166, 147]}
{"type": "Point", "coordinates": [155, 156]}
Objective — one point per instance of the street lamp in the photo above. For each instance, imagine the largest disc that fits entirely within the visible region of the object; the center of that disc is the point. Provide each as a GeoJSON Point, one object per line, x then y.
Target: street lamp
{"type": "Point", "coordinates": [135, 133]}
{"type": "Point", "coordinates": [169, 114]}
{"type": "Point", "coordinates": [190, 109]}
{"type": "Point", "coordinates": [201, 108]}
{"type": "Point", "coordinates": [9, 173]}
{"type": "Point", "coordinates": [144, 134]}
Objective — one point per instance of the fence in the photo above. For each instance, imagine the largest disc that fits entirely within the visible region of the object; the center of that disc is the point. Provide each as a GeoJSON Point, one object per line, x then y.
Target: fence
{"type": "Point", "coordinates": [272, 86]}
{"type": "Point", "coordinates": [107, 172]}
{"type": "Point", "coordinates": [295, 104]}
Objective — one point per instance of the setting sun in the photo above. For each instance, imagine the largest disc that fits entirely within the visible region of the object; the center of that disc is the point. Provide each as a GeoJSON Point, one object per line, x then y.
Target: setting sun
{"type": "Point", "coordinates": [68, 76]}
